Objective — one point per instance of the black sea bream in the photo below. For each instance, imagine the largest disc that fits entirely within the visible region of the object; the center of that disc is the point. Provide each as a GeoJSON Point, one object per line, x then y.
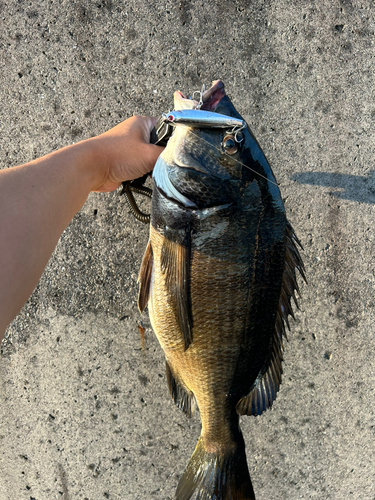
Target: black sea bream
{"type": "Point", "coordinates": [218, 276]}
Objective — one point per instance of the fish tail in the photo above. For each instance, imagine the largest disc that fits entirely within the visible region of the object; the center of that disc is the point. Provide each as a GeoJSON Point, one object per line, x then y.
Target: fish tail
{"type": "Point", "coordinates": [216, 476]}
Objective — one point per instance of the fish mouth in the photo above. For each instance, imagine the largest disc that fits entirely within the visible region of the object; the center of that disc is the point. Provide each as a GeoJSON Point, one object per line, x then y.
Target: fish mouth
{"type": "Point", "coordinates": [211, 98]}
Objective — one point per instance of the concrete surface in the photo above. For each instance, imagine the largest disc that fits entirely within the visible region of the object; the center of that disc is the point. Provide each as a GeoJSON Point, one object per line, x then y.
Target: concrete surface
{"type": "Point", "coordinates": [84, 412]}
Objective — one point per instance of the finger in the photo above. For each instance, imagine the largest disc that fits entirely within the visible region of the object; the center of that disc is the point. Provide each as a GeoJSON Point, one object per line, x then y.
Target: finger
{"type": "Point", "coordinates": [150, 123]}
{"type": "Point", "coordinates": [154, 120]}
{"type": "Point", "coordinates": [147, 123]}
{"type": "Point", "coordinates": [153, 153]}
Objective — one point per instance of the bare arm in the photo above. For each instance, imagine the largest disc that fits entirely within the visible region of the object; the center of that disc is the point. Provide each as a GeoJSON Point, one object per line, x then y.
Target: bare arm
{"type": "Point", "coordinates": [38, 200]}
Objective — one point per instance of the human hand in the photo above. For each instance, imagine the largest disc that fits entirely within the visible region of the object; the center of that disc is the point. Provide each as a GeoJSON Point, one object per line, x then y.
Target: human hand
{"type": "Point", "coordinates": [125, 153]}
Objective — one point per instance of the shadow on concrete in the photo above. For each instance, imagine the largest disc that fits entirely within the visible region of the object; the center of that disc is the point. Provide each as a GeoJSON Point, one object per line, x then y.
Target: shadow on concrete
{"type": "Point", "coordinates": [346, 187]}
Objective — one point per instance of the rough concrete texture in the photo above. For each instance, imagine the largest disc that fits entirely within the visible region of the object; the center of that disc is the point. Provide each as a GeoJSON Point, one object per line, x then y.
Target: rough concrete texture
{"type": "Point", "coordinates": [85, 413]}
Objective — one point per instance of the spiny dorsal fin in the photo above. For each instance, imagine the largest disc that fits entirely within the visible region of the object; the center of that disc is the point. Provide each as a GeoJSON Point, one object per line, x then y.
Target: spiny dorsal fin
{"type": "Point", "coordinates": [183, 398]}
{"type": "Point", "coordinates": [144, 278]}
{"type": "Point", "coordinates": [292, 262]}
{"type": "Point", "coordinates": [175, 264]}
{"type": "Point", "coordinates": [264, 390]}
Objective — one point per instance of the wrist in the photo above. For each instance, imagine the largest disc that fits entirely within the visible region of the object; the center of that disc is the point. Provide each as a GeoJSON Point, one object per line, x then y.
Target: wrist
{"type": "Point", "coordinates": [91, 161]}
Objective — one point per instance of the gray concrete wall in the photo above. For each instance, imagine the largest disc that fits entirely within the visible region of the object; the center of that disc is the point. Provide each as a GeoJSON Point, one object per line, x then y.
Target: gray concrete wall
{"type": "Point", "coordinates": [85, 413]}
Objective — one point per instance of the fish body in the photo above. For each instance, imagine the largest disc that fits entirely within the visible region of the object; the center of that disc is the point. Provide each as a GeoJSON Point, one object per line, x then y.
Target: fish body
{"type": "Point", "coordinates": [218, 276]}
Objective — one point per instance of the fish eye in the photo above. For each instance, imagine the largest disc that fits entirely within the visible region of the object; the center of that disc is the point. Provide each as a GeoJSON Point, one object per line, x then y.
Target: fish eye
{"type": "Point", "coordinates": [230, 145]}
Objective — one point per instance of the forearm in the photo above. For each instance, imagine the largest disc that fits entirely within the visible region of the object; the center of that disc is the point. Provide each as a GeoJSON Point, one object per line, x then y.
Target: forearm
{"type": "Point", "coordinates": [37, 202]}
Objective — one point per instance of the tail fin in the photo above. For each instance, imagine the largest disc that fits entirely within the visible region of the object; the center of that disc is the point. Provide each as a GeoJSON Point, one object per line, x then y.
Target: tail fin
{"type": "Point", "coordinates": [218, 477]}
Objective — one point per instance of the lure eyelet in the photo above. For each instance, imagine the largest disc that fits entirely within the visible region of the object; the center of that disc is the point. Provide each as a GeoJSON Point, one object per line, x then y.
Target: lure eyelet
{"type": "Point", "coordinates": [229, 144]}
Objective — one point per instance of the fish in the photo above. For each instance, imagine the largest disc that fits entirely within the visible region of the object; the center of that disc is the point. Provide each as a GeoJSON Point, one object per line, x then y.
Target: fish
{"type": "Point", "coordinates": [218, 276]}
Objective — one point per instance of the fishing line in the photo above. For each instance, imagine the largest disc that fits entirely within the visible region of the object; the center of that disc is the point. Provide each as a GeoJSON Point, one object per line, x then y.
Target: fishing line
{"type": "Point", "coordinates": [226, 154]}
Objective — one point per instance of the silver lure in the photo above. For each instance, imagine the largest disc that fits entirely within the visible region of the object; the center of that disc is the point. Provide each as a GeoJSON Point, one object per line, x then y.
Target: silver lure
{"type": "Point", "coordinates": [198, 118]}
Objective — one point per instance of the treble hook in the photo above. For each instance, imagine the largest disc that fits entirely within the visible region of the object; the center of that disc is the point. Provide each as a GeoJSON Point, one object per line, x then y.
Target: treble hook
{"type": "Point", "coordinates": [200, 103]}
{"type": "Point", "coordinates": [235, 130]}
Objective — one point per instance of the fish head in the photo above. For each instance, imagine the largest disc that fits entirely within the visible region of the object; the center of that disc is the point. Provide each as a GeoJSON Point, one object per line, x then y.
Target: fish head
{"type": "Point", "coordinates": [205, 166]}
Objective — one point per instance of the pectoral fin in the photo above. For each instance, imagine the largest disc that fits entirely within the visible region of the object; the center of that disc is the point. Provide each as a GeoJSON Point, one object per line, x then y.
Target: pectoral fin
{"type": "Point", "coordinates": [264, 390]}
{"type": "Point", "coordinates": [175, 265]}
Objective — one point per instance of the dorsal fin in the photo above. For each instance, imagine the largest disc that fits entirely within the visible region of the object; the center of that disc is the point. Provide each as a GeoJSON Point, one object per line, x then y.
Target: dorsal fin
{"type": "Point", "coordinates": [263, 392]}
{"type": "Point", "coordinates": [292, 262]}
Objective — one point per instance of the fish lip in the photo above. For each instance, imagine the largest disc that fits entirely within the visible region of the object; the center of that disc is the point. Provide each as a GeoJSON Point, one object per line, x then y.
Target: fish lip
{"type": "Point", "coordinates": [211, 97]}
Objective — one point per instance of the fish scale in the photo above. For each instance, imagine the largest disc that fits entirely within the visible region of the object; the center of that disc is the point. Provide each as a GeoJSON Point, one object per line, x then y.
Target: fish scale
{"type": "Point", "coordinates": [218, 276]}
